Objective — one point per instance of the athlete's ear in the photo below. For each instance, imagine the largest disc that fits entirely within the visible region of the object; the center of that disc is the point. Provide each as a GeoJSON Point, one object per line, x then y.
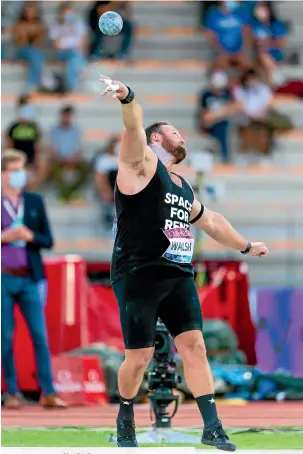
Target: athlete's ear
{"type": "Point", "coordinates": [156, 137]}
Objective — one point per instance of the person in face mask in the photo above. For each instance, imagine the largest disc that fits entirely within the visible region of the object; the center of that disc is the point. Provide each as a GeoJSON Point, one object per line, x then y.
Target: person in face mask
{"type": "Point", "coordinates": [25, 231]}
{"type": "Point", "coordinates": [269, 36]}
{"type": "Point", "coordinates": [215, 110]}
{"type": "Point", "coordinates": [69, 37]}
{"type": "Point", "coordinates": [227, 28]}
{"type": "Point", "coordinates": [24, 135]}
{"type": "Point", "coordinates": [255, 99]}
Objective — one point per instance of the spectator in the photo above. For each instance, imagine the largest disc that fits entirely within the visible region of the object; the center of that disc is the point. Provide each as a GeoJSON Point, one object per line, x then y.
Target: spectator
{"type": "Point", "coordinates": [29, 33]}
{"type": "Point", "coordinates": [69, 169]}
{"type": "Point", "coordinates": [97, 38]}
{"type": "Point", "coordinates": [204, 7]}
{"type": "Point", "coordinates": [255, 98]}
{"type": "Point", "coordinates": [269, 36]}
{"type": "Point", "coordinates": [227, 29]}
{"type": "Point", "coordinates": [24, 135]}
{"type": "Point", "coordinates": [215, 110]}
{"type": "Point", "coordinates": [69, 37]}
{"type": "Point", "coordinates": [25, 231]}
{"type": "Point", "coordinates": [106, 169]}
{"type": "Point", "coordinates": [10, 11]}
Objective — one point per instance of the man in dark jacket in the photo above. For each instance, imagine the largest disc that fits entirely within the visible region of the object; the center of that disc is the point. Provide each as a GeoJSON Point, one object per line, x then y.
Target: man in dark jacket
{"type": "Point", "coordinates": [25, 231]}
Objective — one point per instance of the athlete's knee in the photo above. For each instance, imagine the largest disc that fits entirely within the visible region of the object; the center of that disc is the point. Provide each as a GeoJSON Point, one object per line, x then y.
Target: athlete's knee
{"type": "Point", "coordinates": [191, 347]}
{"type": "Point", "coordinates": [139, 359]}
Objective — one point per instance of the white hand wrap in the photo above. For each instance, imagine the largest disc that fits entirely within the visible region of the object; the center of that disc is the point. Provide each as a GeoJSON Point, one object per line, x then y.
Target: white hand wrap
{"type": "Point", "coordinates": [110, 87]}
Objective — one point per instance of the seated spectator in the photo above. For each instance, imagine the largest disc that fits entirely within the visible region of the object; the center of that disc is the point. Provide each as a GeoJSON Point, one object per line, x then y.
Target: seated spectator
{"type": "Point", "coordinates": [70, 171]}
{"type": "Point", "coordinates": [255, 98]}
{"type": "Point", "coordinates": [227, 29]}
{"type": "Point", "coordinates": [269, 37]}
{"type": "Point", "coordinates": [10, 12]}
{"type": "Point", "coordinates": [97, 38]}
{"type": "Point", "coordinates": [24, 135]}
{"type": "Point", "coordinates": [204, 7]}
{"type": "Point", "coordinates": [29, 33]}
{"type": "Point", "coordinates": [215, 110]}
{"type": "Point", "coordinates": [69, 37]}
{"type": "Point", "coordinates": [106, 169]}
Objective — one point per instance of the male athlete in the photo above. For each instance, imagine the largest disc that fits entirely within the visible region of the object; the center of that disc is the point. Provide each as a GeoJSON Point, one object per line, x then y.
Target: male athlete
{"type": "Point", "coordinates": [152, 274]}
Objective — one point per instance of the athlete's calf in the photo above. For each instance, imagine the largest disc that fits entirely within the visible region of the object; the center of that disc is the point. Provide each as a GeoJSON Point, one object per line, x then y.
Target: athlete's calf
{"type": "Point", "coordinates": [132, 371]}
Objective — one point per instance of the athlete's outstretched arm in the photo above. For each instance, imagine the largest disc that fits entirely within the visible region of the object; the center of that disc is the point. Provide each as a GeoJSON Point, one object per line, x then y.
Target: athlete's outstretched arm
{"type": "Point", "coordinates": [219, 228]}
{"type": "Point", "coordinates": [133, 145]}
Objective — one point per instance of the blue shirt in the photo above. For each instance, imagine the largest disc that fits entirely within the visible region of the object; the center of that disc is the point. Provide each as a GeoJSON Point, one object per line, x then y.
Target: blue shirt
{"type": "Point", "coordinates": [66, 140]}
{"type": "Point", "coordinates": [228, 27]}
{"type": "Point", "coordinates": [264, 32]}
{"type": "Point", "coordinates": [214, 101]}
{"type": "Point", "coordinates": [249, 5]}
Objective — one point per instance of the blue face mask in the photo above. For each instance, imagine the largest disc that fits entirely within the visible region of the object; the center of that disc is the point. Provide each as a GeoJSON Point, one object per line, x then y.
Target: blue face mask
{"type": "Point", "coordinates": [27, 112]}
{"type": "Point", "coordinates": [70, 16]}
{"type": "Point", "coordinates": [231, 5]}
{"type": "Point", "coordinates": [17, 179]}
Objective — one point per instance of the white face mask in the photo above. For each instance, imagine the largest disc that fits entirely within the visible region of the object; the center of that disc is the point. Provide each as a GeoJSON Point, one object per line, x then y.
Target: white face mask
{"type": "Point", "coordinates": [219, 80]}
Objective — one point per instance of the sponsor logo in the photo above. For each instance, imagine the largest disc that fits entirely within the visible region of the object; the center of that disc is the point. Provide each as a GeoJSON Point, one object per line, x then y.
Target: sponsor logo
{"type": "Point", "coordinates": [65, 383]}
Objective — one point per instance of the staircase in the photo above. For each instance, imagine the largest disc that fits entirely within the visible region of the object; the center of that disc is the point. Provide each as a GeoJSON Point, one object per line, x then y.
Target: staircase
{"type": "Point", "coordinates": [169, 71]}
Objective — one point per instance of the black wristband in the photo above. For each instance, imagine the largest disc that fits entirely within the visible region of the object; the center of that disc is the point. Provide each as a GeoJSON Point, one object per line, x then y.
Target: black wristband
{"type": "Point", "coordinates": [129, 98]}
{"type": "Point", "coordinates": [247, 250]}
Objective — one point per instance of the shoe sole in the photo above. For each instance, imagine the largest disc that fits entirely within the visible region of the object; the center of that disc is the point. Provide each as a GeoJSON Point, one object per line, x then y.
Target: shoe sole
{"type": "Point", "coordinates": [227, 447]}
{"type": "Point", "coordinates": [121, 446]}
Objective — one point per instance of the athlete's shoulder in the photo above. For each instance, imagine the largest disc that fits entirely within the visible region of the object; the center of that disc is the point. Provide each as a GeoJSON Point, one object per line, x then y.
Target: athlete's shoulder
{"type": "Point", "coordinates": [187, 184]}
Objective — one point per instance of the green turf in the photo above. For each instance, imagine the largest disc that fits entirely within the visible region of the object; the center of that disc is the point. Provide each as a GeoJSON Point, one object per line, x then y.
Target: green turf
{"type": "Point", "coordinates": [86, 438]}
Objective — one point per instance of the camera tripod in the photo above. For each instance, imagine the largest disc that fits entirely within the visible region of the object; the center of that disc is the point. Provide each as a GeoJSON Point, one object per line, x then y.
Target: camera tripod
{"type": "Point", "coordinates": [162, 431]}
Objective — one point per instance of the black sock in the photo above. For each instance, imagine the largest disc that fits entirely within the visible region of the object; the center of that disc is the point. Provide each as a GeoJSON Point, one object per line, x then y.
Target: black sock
{"type": "Point", "coordinates": [208, 410]}
{"type": "Point", "coordinates": [126, 410]}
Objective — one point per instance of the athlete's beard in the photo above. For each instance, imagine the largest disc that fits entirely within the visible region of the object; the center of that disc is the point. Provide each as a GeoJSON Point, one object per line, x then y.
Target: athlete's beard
{"type": "Point", "coordinates": [168, 152]}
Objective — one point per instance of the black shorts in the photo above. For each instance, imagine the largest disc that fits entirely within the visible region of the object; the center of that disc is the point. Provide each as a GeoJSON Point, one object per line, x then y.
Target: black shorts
{"type": "Point", "coordinates": [152, 292]}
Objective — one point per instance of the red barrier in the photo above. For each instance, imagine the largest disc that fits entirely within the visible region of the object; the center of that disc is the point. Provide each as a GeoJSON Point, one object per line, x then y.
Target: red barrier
{"type": "Point", "coordinates": [226, 298]}
{"type": "Point", "coordinates": [79, 313]}
{"type": "Point", "coordinates": [66, 310]}
{"type": "Point", "coordinates": [104, 319]}
{"type": "Point", "coordinates": [79, 380]}
{"type": "Point", "coordinates": [66, 315]}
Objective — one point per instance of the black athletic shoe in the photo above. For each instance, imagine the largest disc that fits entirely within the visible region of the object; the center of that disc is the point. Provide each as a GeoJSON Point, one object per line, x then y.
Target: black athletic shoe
{"type": "Point", "coordinates": [126, 433]}
{"type": "Point", "coordinates": [216, 436]}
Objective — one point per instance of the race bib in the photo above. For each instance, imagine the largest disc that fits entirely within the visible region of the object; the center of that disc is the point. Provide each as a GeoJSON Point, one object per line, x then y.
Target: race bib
{"type": "Point", "coordinates": [181, 247]}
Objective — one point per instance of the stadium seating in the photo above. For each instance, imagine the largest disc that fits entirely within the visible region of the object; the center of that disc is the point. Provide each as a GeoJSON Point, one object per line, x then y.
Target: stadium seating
{"type": "Point", "coordinates": [169, 70]}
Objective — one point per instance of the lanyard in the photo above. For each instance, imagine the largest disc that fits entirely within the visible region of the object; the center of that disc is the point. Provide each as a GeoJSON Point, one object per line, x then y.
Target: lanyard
{"type": "Point", "coordinates": [15, 215]}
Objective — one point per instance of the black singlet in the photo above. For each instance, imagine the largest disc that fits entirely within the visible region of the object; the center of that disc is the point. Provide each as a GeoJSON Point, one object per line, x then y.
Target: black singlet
{"type": "Point", "coordinates": [152, 227]}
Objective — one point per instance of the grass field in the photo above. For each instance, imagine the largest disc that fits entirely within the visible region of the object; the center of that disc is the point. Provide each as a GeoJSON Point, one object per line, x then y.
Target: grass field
{"type": "Point", "coordinates": [89, 438]}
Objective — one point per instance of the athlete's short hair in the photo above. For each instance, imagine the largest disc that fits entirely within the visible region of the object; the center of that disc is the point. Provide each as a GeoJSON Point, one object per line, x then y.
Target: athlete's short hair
{"type": "Point", "coordinates": [155, 127]}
